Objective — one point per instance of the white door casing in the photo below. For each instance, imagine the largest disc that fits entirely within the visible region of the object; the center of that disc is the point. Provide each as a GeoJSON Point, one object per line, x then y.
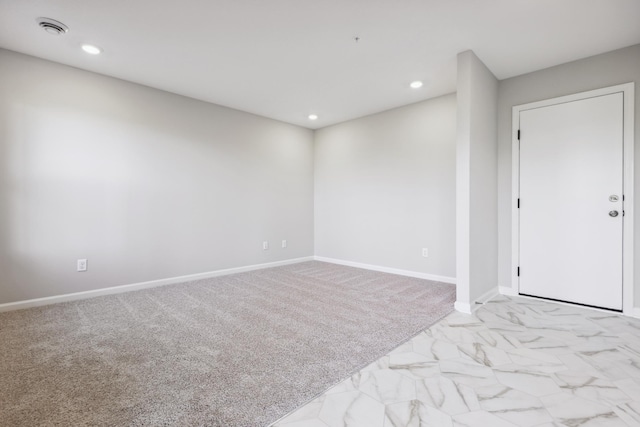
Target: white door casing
{"type": "Point", "coordinates": [575, 152]}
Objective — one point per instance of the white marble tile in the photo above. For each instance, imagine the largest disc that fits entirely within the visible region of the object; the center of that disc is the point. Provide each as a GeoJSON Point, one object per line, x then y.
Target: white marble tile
{"type": "Point", "coordinates": [480, 419]}
{"type": "Point", "coordinates": [630, 387]}
{"type": "Point", "coordinates": [551, 424]}
{"type": "Point", "coordinates": [632, 368]}
{"type": "Point", "coordinates": [631, 339]}
{"type": "Point", "coordinates": [307, 412]}
{"type": "Point", "coordinates": [527, 380]}
{"type": "Point", "coordinates": [447, 396]}
{"type": "Point", "coordinates": [382, 363]}
{"type": "Point", "coordinates": [499, 338]}
{"type": "Point", "coordinates": [494, 322]}
{"type": "Point", "coordinates": [433, 348]}
{"type": "Point", "coordinates": [414, 365]}
{"type": "Point", "coordinates": [588, 387]}
{"type": "Point", "coordinates": [351, 409]}
{"type": "Point", "coordinates": [535, 341]}
{"type": "Point", "coordinates": [303, 423]}
{"type": "Point", "coordinates": [594, 345]}
{"type": "Point", "coordinates": [467, 372]}
{"type": "Point", "coordinates": [571, 410]}
{"type": "Point", "coordinates": [512, 405]}
{"type": "Point", "coordinates": [618, 324]}
{"type": "Point", "coordinates": [578, 364]}
{"type": "Point", "coordinates": [516, 362]}
{"type": "Point", "coordinates": [485, 354]}
{"type": "Point", "coordinates": [515, 314]}
{"type": "Point", "coordinates": [610, 363]}
{"type": "Point", "coordinates": [415, 414]}
{"type": "Point", "coordinates": [558, 333]}
{"type": "Point", "coordinates": [403, 348]}
{"type": "Point", "coordinates": [599, 334]}
{"type": "Point", "coordinates": [629, 412]}
{"type": "Point", "coordinates": [568, 320]}
{"type": "Point", "coordinates": [387, 386]}
{"type": "Point", "coordinates": [558, 311]}
{"type": "Point", "coordinates": [350, 384]}
{"type": "Point", "coordinates": [453, 334]}
{"type": "Point", "coordinates": [536, 359]}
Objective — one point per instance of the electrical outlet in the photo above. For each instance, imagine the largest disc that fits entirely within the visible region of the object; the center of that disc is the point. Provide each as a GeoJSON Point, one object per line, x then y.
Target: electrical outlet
{"type": "Point", "coordinates": [82, 265]}
{"type": "Point", "coordinates": [425, 252]}
{"type": "Point", "coordinates": [265, 245]}
{"type": "Point", "coordinates": [284, 243]}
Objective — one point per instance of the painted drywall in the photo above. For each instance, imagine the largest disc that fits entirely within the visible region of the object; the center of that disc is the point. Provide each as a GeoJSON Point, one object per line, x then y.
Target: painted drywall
{"type": "Point", "coordinates": [144, 184]}
{"type": "Point", "coordinates": [612, 68]}
{"type": "Point", "coordinates": [476, 183]}
{"type": "Point", "coordinates": [385, 188]}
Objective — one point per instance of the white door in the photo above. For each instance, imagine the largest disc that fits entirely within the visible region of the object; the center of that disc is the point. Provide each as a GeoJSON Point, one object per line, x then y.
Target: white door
{"type": "Point", "coordinates": [571, 201]}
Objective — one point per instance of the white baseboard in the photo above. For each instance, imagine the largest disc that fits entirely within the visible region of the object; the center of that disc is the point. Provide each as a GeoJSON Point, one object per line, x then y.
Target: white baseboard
{"type": "Point", "coordinates": [508, 290]}
{"type": "Point", "coordinates": [462, 307]}
{"type": "Point", "coordinates": [399, 272]}
{"type": "Point", "coordinates": [18, 305]}
{"type": "Point", "coordinates": [635, 312]}
{"type": "Point", "coordinates": [467, 308]}
{"type": "Point", "coordinates": [487, 296]}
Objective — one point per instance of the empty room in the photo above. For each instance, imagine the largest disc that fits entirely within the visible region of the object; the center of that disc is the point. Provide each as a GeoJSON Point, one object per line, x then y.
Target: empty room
{"type": "Point", "coordinates": [319, 214]}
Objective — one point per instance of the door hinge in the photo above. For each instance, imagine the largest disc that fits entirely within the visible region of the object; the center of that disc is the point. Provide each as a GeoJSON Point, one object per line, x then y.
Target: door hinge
{"type": "Point", "coordinates": [518, 203]}
{"type": "Point", "coordinates": [518, 134]}
{"type": "Point", "coordinates": [518, 271]}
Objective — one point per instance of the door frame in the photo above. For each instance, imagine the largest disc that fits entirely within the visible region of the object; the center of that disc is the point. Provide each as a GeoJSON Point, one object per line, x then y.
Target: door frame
{"type": "Point", "coordinates": [627, 90]}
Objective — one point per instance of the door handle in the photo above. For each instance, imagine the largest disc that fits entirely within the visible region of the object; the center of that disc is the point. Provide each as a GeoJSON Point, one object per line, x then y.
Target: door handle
{"type": "Point", "coordinates": [613, 214]}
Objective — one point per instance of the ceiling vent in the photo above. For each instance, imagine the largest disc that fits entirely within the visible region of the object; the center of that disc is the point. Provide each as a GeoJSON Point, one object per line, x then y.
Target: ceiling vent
{"type": "Point", "coordinates": [52, 26]}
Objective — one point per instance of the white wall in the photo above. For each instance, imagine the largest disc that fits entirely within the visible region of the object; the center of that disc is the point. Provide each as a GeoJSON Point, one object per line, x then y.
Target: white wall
{"type": "Point", "coordinates": [477, 198]}
{"type": "Point", "coordinates": [143, 183]}
{"type": "Point", "coordinates": [385, 188]}
{"type": "Point", "coordinates": [149, 185]}
{"type": "Point", "coordinates": [620, 66]}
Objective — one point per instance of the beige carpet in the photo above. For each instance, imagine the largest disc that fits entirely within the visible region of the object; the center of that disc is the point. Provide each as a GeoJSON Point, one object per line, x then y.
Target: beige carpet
{"type": "Point", "coordinates": [239, 350]}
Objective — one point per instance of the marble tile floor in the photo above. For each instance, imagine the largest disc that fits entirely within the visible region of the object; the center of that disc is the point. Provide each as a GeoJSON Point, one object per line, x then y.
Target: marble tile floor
{"type": "Point", "coordinates": [515, 362]}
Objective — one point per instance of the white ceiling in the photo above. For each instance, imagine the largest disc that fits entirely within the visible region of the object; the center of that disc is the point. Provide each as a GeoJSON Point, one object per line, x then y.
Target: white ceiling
{"type": "Point", "coordinates": [285, 59]}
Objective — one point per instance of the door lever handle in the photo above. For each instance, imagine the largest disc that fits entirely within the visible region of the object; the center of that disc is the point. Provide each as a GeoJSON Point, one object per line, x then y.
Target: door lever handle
{"type": "Point", "coordinates": [613, 214]}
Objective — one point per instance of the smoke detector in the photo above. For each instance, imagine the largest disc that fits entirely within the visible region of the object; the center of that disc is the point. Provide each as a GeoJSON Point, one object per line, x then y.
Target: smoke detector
{"type": "Point", "coordinates": [52, 26]}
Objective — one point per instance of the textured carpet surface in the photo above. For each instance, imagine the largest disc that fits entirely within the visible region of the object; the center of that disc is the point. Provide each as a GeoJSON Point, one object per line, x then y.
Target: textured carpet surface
{"type": "Point", "coordinates": [238, 350]}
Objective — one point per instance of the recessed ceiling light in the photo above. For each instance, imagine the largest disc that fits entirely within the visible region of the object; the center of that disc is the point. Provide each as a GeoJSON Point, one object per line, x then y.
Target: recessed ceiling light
{"type": "Point", "coordinates": [416, 85]}
{"type": "Point", "coordinates": [313, 116]}
{"type": "Point", "coordinates": [89, 48]}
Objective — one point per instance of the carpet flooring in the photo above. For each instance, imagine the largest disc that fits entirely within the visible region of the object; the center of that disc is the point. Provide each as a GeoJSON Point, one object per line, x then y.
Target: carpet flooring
{"type": "Point", "coordinates": [236, 351]}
